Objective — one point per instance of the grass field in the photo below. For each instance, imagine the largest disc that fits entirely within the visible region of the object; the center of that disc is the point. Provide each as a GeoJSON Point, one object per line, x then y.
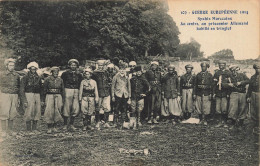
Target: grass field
{"type": "Point", "coordinates": [183, 144]}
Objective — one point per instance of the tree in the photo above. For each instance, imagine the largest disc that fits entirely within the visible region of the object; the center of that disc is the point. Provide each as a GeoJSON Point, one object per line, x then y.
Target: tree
{"type": "Point", "coordinates": [223, 54]}
{"type": "Point", "coordinates": [53, 32]}
{"type": "Point", "coordinates": [189, 50]}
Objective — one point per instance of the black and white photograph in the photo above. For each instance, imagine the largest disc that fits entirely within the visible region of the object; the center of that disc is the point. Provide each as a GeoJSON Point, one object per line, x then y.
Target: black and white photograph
{"type": "Point", "coordinates": [129, 82]}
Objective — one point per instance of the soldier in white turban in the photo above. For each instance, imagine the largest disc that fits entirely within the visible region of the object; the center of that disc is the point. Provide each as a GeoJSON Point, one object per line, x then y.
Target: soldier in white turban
{"type": "Point", "coordinates": [31, 92]}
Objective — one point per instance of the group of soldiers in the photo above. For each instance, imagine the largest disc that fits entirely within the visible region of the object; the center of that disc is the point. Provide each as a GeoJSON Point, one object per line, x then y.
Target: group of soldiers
{"type": "Point", "coordinates": [125, 90]}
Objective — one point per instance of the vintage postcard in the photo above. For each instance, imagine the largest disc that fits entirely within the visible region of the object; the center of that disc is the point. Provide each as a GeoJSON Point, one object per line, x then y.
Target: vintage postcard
{"type": "Point", "coordinates": [129, 82]}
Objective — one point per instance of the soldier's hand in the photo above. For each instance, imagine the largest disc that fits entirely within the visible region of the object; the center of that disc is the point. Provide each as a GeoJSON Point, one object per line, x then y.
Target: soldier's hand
{"type": "Point", "coordinates": [166, 108]}
{"type": "Point", "coordinates": [96, 99]}
{"type": "Point", "coordinates": [113, 99]}
{"type": "Point", "coordinates": [248, 99]}
{"type": "Point", "coordinates": [231, 84]}
{"type": "Point", "coordinates": [210, 97]}
{"type": "Point", "coordinates": [42, 104]}
{"type": "Point", "coordinates": [129, 101]}
{"type": "Point", "coordinates": [142, 95]}
{"type": "Point", "coordinates": [238, 83]}
{"type": "Point", "coordinates": [25, 104]}
{"type": "Point", "coordinates": [194, 97]}
{"type": "Point", "coordinates": [214, 97]}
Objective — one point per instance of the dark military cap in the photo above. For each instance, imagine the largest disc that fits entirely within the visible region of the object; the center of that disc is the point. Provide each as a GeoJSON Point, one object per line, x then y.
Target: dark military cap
{"type": "Point", "coordinates": [204, 64]}
{"type": "Point", "coordinates": [189, 66]}
{"type": "Point", "coordinates": [138, 68]}
{"type": "Point", "coordinates": [256, 66]}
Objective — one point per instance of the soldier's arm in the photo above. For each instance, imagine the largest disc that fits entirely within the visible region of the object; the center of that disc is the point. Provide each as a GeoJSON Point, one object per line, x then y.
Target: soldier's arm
{"type": "Point", "coordinates": [41, 88]}
{"type": "Point", "coordinates": [129, 87]}
{"type": "Point", "coordinates": [194, 87]}
{"type": "Point", "coordinates": [211, 82]}
{"type": "Point", "coordinates": [63, 76]}
{"type": "Point", "coordinates": [113, 86]}
{"type": "Point", "coordinates": [178, 86]}
{"type": "Point", "coordinates": [81, 90]}
{"type": "Point", "coordinates": [245, 80]}
{"type": "Point", "coordinates": [96, 91]}
{"type": "Point", "coordinates": [181, 83]}
{"type": "Point", "coordinates": [22, 89]}
{"type": "Point", "coordinates": [80, 78]}
{"type": "Point", "coordinates": [249, 91]}
{"type": "Point", "coordinates": [146, 85]}
{"type": "Point", "coordinates": [62, 90]}
{"type": "Point", "coordinates": [45, 88]}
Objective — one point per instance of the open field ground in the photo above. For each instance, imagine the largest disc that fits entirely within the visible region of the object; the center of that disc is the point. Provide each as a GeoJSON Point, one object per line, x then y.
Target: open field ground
{"type": "Point", "coordinates": [183, 144]}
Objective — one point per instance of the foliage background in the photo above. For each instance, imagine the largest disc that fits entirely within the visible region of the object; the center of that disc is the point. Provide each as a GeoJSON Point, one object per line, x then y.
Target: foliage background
{"type": "Point", "coordinates": [53, 32]}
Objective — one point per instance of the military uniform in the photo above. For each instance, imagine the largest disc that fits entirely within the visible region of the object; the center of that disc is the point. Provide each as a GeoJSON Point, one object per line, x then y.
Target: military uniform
{"type": "Point", "coordinates": [154, 97]}
{"type": "Point", "coordinates": [171, 91]}
{"type": "Point", "coordinates": [102, 79]}
{"type": "Point", "coordinates": [237, 106]}
{"type": "Point", "coordinates": [187, 82]}
{"type": "Point", "coordinates": [32, 93]}
{"type": "Point", "coordinates": [203, 92]}
{"type": "Point", "coordinates": [139, 85]}
{"type": "Point", "coordinates": [55, 93]}
{"type": "Point", "coordinates": [254, 94]}
{"type": "Point", "coordinates": [220, 91]}
{"type": "Point", "coordinates": [88, 94]}
{"type": "Point", "coordinates": [9, 95]}
{"type": "Point", "coordinates": [72, 80]}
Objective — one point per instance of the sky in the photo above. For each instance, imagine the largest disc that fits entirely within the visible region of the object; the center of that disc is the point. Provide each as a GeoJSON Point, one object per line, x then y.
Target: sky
{"type": "Point", "coordinates": [243, 40]}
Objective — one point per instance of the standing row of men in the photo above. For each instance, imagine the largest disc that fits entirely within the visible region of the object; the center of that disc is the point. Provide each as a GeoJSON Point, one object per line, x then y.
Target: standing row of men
{"type": "Point", "coordinates": [102, 90]}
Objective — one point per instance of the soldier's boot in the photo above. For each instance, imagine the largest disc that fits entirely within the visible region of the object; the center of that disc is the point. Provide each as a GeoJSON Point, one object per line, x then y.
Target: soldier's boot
{"type": "Point", "coordinates": [10, 125]}
{"type": "Point", "coordinates": [89, 127]}
{"type": "Point", "coordinates": [241, 124]}
{"type": "Point", "coordinates": [220, 122]}
{"type": "Point", "coordinates": [102, 117]}
{"type": "Point", "coordinates": [49, 131]}
{"type": "Point", "coordinates": [106, 115]}
{"type": "Point", "coordinates": [188, 115]}
{"type": "Point", "coordinates": [150, 119]}
{"type": "Point", "coordinates": [65, 127]}
{"type": "Point", "coordinates": [72, 128]}
{"type": "Point", "coordinates": [225, 118]}
{"type": "Point", "coordinates": [34, 125]}
{"type": "Point", "coordinates": [122, 119]}
{"type": "Point", "coordinates": [29, 126]}
{"type": "Point", "coordinates": [204, 120]}
{"type": "Point", "coordinates": [233, 124]}
{"type": "Point", "coordinates": [201, 119]}
{"type": "Point", "coordinates": [85, 123]}
{"type": "Point", "coordinates": [4, 128]}
{"type": "Point", "coordinates": [97, 117]}
{"type": "Point", "coordinates": [139, 124]}
{"type": "Point", "coordinates": [115, 120]}
{"type": "Point", "coordinates": [54, 127]}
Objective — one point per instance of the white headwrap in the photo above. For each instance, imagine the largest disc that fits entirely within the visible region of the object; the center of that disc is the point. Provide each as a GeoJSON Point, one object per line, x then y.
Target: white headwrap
{"type": "Point", "coordinates": [155, 63]}
{"type": "Point", "coordinates": [33, 64]}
